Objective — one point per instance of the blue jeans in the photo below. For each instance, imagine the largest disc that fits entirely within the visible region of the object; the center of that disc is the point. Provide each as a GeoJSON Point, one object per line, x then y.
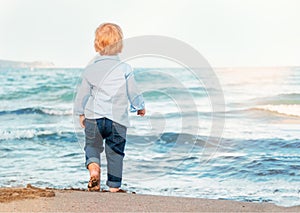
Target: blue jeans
{"type": "Point", "coordinates": [114, 134]}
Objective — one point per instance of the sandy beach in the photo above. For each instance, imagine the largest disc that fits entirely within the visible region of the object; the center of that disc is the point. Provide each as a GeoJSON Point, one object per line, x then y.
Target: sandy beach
{"type": "Point", "coordinates": [32, 199]}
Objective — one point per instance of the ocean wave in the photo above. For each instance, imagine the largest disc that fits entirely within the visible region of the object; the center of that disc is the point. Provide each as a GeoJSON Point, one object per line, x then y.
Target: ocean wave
{"type": "Point", "coordinates": [164, 93]}
{"type": "Point", "coordinates": [57, 111]}
{"type": "Point", "coordinates": [288, 98]}
{"type": "Point", "coordinates": [164, 139]}
{"type": "Point", "coordinates": [282, 109]}
{"type": "Point", "coordinates": [41, 111]}
{"type": "Point", "coordinates": [286, 110]}
{"type": "Point", "coordinates": [40, 134]}
{"type": "Point", "coordinates": [21, 134]}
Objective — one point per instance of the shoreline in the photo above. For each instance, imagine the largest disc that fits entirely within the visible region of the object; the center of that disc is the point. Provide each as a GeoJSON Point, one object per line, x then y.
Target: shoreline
{"type": "Point", "coordinates": [33, 199]}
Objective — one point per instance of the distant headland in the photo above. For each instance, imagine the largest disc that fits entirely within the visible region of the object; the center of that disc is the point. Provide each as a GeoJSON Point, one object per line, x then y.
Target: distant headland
{"type": "Point", "coordinates": [21, 64]}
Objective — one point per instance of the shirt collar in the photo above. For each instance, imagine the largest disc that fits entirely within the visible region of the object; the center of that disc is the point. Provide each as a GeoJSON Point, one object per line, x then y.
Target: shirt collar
{"type": "Point", "coordinates": [99, 57]}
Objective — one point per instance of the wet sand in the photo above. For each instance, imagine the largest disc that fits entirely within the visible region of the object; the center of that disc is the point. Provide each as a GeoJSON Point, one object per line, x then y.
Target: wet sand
{"type": "Point", "coordinates": [32, 199]}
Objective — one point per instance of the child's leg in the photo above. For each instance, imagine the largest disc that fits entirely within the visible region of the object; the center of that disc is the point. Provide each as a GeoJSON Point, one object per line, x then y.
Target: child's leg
{"type": "Point", "coordinates": [94, 170]}
{"type": "Point", "coordinates": [114, 149]}
{"type": "Point", "coordinates": [93, 148]}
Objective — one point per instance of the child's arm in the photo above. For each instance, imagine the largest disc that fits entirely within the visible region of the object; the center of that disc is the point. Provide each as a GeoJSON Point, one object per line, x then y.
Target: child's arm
{"type": "Point", "coordinates": [141, 112]}
{"type": "Point", "coordinates": [83, 94]}
{"type": "Point", "coordinates": [81, 121]}
{"type": "Point", "coordinates": [136, 99]}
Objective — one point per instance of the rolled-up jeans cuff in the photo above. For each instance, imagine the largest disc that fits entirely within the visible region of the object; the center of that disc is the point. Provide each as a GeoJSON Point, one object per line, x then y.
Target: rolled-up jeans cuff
{"type": "Point", "coordinates": [113, 184]}
{"type": "Point", "coordinates": [92, 160]}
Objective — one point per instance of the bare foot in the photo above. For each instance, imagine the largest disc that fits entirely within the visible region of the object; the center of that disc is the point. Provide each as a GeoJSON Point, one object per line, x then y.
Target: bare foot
{"type": "Point", "coordinates": [94, 183]}
{"type": "Point", "coordinates": [114, 189]}
{"type": "Point", "coordinates": [94, 170]}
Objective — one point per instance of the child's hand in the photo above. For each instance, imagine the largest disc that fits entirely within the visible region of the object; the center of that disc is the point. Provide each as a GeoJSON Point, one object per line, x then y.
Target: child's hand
{"type": "Point", "coordinates": [141, 112]}
{"type": "Point", "coordinates": [81, 121]}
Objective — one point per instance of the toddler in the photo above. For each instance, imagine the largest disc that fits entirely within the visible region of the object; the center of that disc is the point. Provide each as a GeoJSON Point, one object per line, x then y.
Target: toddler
{"type": "Point", "coordinates": [102, 105]}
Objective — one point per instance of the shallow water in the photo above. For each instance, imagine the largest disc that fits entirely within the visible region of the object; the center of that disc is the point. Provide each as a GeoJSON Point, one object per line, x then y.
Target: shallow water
{"type": "Point", "coordinates": [257, 160]}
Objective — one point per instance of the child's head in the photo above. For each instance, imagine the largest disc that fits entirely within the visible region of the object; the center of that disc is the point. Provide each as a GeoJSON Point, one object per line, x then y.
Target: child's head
{"type": "Point", "coordinates": [108, 39]}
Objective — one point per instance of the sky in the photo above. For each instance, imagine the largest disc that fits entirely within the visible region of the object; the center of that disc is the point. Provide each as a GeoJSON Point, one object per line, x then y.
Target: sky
{"type": "Point", "coordinates": [226, 32]}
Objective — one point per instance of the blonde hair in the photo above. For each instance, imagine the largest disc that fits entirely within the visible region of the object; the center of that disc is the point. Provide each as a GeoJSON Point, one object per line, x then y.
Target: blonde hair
{"type": "Point", "coordinates": [108, 39]}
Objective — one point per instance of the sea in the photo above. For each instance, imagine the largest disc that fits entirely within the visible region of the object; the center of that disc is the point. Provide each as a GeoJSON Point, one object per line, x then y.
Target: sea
{"type": "Point", "coordinates": [172, 151]}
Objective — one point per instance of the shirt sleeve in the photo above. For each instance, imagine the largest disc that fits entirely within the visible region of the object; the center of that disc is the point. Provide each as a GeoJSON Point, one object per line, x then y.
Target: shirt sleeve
{"type": "Point", "coordinates": [135, 98]}
{"type": "Point", "coordinates": [83, 94]}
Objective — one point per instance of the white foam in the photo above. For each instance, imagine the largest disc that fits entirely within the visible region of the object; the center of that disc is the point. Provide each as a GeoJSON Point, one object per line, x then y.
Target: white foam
{"type": "Point", "coordinates": [57, 111]}
{"type": "Point", "coordinates": [291, 110]}
{"type": "Point", "coordinates": [21, 134]}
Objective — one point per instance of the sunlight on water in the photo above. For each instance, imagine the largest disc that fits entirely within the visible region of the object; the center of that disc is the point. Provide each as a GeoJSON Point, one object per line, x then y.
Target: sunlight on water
{"type": "Point", "coordinates": [167, 151]}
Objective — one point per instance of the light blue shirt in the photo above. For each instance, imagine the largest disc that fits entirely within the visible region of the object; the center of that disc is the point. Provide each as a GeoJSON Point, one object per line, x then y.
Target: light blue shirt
{"type": "Point", "coordinates": [106, 88]}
